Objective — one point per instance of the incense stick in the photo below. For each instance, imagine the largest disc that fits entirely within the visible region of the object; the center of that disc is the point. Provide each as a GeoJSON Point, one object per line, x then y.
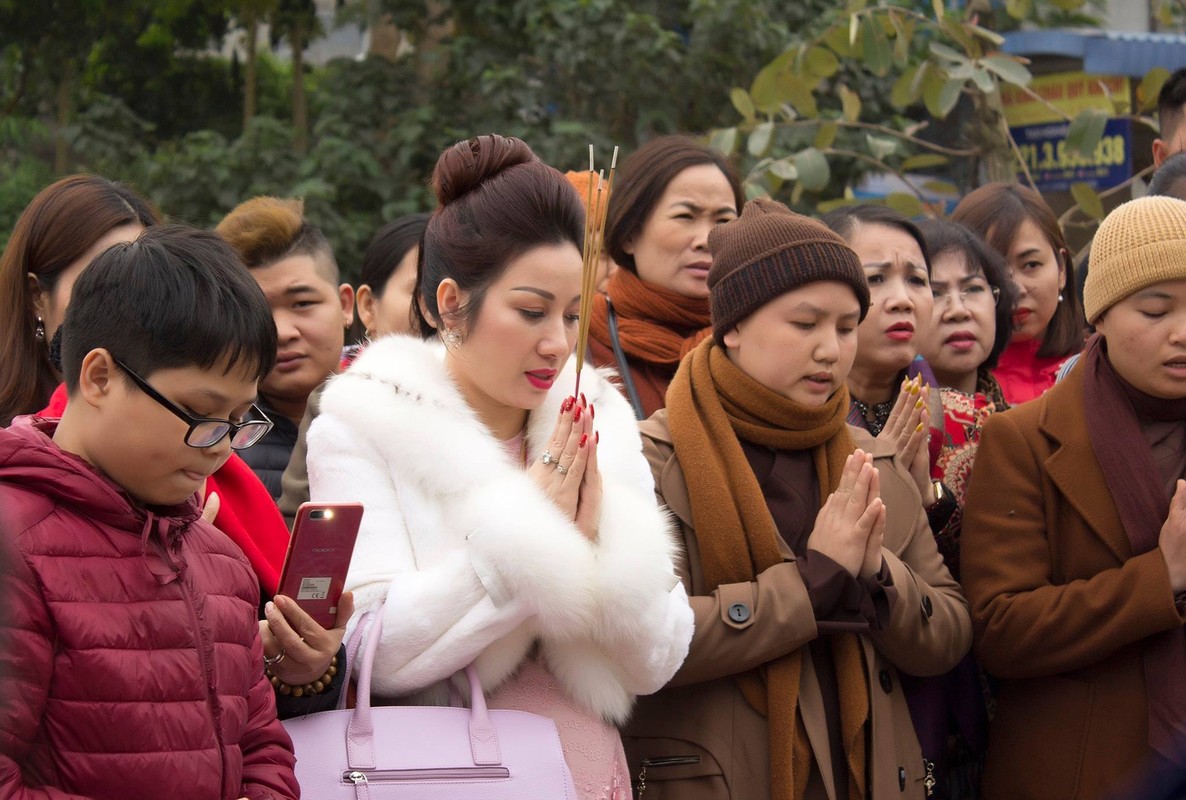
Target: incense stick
{"type": "Point", "coordinates": [596, 209]}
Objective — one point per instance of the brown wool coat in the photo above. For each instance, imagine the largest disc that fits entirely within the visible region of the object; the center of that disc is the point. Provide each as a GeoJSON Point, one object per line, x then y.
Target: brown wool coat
{"type": "Point", "coordinates": [702, 715]}
{"type": "Point", "coordinates": [1061, 607]}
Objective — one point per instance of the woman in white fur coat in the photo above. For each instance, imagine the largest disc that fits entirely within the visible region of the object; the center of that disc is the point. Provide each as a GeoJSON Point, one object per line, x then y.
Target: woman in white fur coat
{"type": "Point", "coordinates": [508, 523]}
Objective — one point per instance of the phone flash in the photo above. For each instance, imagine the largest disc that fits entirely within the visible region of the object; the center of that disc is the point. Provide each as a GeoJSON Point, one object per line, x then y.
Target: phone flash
{"type": "Point", "coordinates": [329, 514]}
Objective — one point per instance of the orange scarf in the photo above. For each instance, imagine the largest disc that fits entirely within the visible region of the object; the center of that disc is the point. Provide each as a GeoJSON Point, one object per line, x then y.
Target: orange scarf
{"type": "Point", "coordinates": [655, 325]}
{"type": "Point", "coordinates": [710, 405]}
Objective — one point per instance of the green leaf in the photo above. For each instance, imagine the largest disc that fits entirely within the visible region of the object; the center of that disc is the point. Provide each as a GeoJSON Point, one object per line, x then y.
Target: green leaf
{"type": "Point", "coordinates": [983, 81]}
{"type": "Point", "coordinates": [984, 33]}
{"type": "Point", "coordinates": [822, 62]}
{"type": "Point", "coordinates": [880, 147]}
{"type": "Point", "coordinates": [1150, 87]}
{"type": "Point", "coordinates": [939, 9]}
{"type": "Point", "coordinates": [854, 29]}
{"type": "Point", "coordinates": [814, 172]}
{"type": "Point", "coordinates": [876, 51]}
{"type": "Point", "coordinates": [906, 89]}
{"type": "Point", "coordinates": [1086, 130]}
{"type": "Point", "coordinates": [836, 38]}
{"type": "Point", "coordinates": [799, 95]}
{"type": "Point", "coordinates": [742, 102]}
{"type": "Point", "coordinates": [949, 95]}
{"type": "Point", "coordinates": [1088, 200]}
{"type": "Point", "coordinates": [1018, 9]}
{"type": "Point", "coordinates": [850, 101]}
{"type": "Point", "coordinates": [949, 53]}
{"type": "Point", "coordinates": [840, 202]}
{"type": "Point", "coordinates": [932, 83]}
{"type": "Point", "coordinates": [1008, 69]}
{"type": "Point", "coordinates": [768, 90]}
{"type": "Point", "coordinates": [724, 140]}
{"type": "Point", "coordinates": [904, 203]}
{"type": "Point", "coordinates": [825, 135]}
{"type": "Point", "coordinates": [759, 139]}
{"type": "Point", "coordinates": [784, 169]}
{"type": "Point", "coordinates": [923, 161]}
{"type": "Point", "coordinates": [941, 187]}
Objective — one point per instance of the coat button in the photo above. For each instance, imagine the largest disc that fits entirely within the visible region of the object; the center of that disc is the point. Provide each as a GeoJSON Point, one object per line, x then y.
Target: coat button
{"type": "Point", "coordinates": [887, 682]}
{"type": "Point", "coordinates": [739, 612]}
{"type": "Point", "coordinates": [902, 778]}
{"type": "Point", "coordinates": [927, 608]}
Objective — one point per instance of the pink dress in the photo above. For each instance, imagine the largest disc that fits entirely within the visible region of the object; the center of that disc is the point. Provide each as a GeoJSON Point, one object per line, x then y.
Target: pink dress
{"type": "Point", "coordinates": [592, 747]}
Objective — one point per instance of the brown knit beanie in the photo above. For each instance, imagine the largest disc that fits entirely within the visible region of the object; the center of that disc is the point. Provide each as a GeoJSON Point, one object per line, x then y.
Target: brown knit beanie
{"type": "Point", "coordinates": [768, 251]}
{"type": "Point", "coordinates": [1140, 243]}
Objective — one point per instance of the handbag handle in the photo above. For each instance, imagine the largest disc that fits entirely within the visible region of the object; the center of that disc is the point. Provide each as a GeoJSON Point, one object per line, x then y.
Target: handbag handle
{"type": "Point", "coordinates": [353, 642]}
{"type": "Point", "coordinates": [360, 733]}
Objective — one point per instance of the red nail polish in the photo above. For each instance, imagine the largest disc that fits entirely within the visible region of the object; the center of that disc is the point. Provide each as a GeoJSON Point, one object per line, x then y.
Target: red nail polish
{"type": "Point", "coordinates": [592, 412]}
{"type": "Point", "coordinates": [576, 415]}
{"type": "Point", "coordinates": [567, 405]}
{"type": "Point", "coordinates": [583, 402]}
{"type": "Point", "coordinates": [584, 440]}
{"type": "Point", "coordinates": [597, 437]}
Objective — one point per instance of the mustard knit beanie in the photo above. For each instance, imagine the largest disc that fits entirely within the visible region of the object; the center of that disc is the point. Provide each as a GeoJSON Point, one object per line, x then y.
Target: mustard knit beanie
{"type": "Point", "coordinates": [1140, 243]}
{"type": "Point", "coordinates": [768, 251]}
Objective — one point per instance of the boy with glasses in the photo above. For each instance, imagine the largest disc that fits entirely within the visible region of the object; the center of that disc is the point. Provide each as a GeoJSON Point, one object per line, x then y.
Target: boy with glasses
{"type": "Point", "coordinates": [132, 653]}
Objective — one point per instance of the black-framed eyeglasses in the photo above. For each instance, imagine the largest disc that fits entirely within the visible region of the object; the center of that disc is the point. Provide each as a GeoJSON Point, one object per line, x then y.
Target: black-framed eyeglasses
{"type": "Point", "coordinates": [204, 431]}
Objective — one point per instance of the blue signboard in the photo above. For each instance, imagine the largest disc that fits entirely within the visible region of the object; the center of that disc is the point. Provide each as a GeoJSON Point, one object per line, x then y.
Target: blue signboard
{"type": "Point", "coordinates": [1054, 166]}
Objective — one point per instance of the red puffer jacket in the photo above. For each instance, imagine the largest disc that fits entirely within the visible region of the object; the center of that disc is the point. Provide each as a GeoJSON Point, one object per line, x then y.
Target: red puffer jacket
{"type": "Point", "coordinates": [130, 652]}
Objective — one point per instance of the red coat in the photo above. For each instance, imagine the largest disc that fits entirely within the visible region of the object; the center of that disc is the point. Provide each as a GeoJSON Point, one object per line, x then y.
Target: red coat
{"type": "Point", "coordinates": [130, 650]}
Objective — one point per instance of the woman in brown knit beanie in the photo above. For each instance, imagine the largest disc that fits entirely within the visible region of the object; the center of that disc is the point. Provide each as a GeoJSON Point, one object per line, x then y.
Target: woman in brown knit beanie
{"type": "Point", "coordinates": [670, 194]}
{"type": "Point", "coordinates": [1074, 543]}
{"type": "Point", "coordinates": [810, 568]}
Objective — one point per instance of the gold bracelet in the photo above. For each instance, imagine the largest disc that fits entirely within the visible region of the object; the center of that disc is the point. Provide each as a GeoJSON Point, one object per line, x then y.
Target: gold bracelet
{"type": "Point", "coordinates": [316, 687]}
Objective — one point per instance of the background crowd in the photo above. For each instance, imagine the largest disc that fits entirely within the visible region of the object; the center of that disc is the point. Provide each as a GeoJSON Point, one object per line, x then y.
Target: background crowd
{"type": "Point", "coordinates": [856, 506]}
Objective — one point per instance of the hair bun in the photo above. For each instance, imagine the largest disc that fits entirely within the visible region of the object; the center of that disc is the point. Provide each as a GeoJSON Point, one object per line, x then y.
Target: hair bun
{"type": "Point", "coordinates": [466, 165]}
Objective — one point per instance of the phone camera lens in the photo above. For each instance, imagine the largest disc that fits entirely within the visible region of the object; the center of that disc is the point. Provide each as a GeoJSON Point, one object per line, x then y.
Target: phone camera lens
{"type": "Point", "coordinates": [317, 514]}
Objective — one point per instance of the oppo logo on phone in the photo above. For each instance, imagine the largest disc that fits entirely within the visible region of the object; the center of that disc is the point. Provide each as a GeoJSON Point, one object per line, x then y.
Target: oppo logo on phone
{"type": "Point", "coordinates": [318, 557]}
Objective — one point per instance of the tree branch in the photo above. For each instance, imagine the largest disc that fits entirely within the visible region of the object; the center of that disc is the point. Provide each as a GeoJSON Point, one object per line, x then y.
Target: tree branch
{"type": "Point", "coordinates": [881, 165]}
{"type": "Point", "coordinates": [888, 131]}
{"type": "Point", "coordinates": [1065, 219]}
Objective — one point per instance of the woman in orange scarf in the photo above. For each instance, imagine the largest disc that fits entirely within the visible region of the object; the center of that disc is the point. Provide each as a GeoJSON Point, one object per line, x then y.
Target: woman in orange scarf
{"type": "Point", "coordinates": [670, 194]}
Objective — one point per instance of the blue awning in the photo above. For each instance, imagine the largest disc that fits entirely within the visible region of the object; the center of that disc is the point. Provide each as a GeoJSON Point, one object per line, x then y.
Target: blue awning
{"type": "Point", "coordinates": [1103, 52]}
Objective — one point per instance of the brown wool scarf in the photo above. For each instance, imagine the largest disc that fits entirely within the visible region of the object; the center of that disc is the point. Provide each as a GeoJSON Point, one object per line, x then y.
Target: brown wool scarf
{"type": "Point", "coordinates": [1111, 407]}
{"type": "Point", "coordinates": [655, 325]}
{"type": "Point", "coordinates": [710, 405]}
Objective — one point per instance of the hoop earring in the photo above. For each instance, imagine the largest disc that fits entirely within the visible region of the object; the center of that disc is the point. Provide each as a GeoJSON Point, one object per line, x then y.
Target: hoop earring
{"type": "Point", "coordinates": [39, 330]}
{"type": "Point", "coordinates": [451, 337]}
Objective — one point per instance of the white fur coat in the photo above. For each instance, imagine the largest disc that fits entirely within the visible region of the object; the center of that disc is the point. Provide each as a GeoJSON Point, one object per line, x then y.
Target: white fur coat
{"type": "Point", "coordinates": [475, 562]}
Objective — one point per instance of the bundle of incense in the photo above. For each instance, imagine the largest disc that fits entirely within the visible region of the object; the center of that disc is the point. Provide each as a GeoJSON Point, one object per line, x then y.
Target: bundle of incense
{"type": "Point", "coordinates": [596, 206]}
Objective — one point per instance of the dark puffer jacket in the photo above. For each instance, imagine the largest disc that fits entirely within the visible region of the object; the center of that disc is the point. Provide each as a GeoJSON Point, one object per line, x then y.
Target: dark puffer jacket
{"type": "Point", "coordinates": [131, 652]}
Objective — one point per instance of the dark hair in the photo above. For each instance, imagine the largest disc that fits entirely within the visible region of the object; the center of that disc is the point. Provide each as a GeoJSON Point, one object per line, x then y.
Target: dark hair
{"type": "Point", "coordinates": [845, 220]}
{"type": "Point", "coordinates": [995, 212]}
{"type": "Point", "coordinates": [1170, 101]}
{"type": "Point", "coordinates": [176, 297]}
{"type": "Point", "coordinates": [1170, 178]}
{"type": "Point", "coordinates": [388, 247]}
{"type": "Point", "coordinates": [944, 236]}
{"type": "Point", "coordinates": [57, 228]}
{"type": "Point", "coordinates": [644, 178]}
{"type": "Point", "coordinates": [263, 230]}
{"type": "Point", "coordinates": [497, 201]}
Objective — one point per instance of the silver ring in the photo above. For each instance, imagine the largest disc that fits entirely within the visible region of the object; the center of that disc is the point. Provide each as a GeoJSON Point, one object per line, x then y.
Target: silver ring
{"type": "Point", "coordinates": [561, 469]}
{"type": "Point", "coordinates": [271, 661]}
{"type": "Point", "coordinates": [547, 458]}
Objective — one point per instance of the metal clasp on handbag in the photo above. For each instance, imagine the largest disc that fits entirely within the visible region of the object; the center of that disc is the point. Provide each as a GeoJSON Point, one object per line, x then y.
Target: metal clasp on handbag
{"type": "Point", "coordinates": [661, 761]}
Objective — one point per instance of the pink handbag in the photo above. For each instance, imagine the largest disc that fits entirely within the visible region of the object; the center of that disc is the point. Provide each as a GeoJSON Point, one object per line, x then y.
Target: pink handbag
{"type": "Point", "coordinates": [426, 752]}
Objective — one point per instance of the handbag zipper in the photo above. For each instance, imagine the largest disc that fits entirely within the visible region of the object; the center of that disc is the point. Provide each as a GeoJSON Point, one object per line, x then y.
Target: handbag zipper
{"type": "Point", "coordinates": [661, 761]}
{"type": "Point", "coordinates": [929, 781]}
{"type": "Point", "coordinates": [357, 776]}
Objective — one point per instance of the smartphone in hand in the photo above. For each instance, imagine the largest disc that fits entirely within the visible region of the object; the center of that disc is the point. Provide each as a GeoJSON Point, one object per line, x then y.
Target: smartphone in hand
{"type": "Point", "coordinates": [318, 557]}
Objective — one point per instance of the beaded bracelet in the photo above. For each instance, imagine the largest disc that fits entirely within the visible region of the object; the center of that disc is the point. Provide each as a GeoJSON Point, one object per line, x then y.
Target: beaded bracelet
{"type": "Point", "coordinates": [316, 687]}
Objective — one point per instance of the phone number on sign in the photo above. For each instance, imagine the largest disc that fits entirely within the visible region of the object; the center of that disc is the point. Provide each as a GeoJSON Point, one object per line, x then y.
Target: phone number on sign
{"type": "Point", "coordinates": [1041, 156]}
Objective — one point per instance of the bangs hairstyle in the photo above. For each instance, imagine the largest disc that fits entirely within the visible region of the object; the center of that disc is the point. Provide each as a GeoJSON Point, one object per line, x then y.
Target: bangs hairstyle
{"type": "Point", "coordinates": [264, 230]}
{"type": "Point", "coordinates": [176, 297]}
{"type": "Point", "coordinates": [846, 219]}
{"type": "Point", "coordinates": [995, 212]}
{"type": "Point", "coordinates": [946, 237]}
{"type": "Point", "coordinates": [497, 201]}
{"type": "Point", "coordinates": [55, 230]}
{"type": "Point", "coordinates": [645, 176]}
